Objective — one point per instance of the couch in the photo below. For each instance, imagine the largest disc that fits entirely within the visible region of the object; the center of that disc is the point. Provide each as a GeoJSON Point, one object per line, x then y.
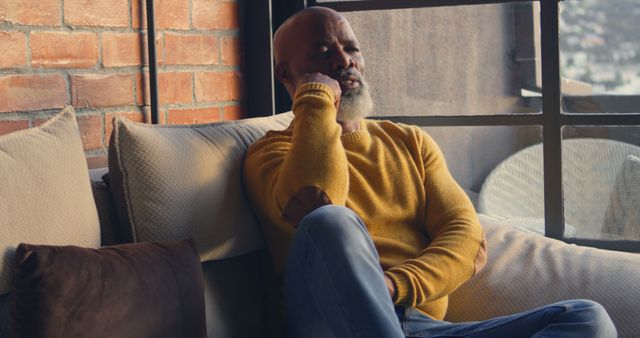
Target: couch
{"type": "Point", "coordinates": [167, 183]}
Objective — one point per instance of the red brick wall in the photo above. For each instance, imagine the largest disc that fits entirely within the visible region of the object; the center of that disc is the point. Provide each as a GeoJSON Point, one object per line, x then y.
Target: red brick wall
{"type": "Point", "coordinates": [92, 55]}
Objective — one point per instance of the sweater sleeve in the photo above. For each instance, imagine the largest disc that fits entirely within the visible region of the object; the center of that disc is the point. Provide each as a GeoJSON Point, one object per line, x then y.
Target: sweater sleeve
{"type": "Point", "coordinates": [278, 168]}
{"type": "Point", "coordinates": [457, 248]}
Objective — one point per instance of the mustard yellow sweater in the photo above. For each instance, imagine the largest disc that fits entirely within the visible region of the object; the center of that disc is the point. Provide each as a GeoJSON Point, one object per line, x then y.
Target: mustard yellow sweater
{"type": "Point", "coordinates": [393, 176]}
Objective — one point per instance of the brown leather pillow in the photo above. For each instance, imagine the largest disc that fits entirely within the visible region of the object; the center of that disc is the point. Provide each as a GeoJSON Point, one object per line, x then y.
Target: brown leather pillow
{"type": "Point", "coordinates": [151, 289]}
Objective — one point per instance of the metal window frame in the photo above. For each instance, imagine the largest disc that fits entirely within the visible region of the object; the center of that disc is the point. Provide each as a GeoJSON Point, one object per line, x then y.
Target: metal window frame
{"type": "Point", "coordinates": [551, 127]}
{"type": "Point", "coordinates": [373, 5]}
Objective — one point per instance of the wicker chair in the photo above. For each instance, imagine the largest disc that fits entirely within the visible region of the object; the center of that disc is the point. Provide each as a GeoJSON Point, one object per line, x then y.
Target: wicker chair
{"type": "Point", "coordinates": [513, 192]}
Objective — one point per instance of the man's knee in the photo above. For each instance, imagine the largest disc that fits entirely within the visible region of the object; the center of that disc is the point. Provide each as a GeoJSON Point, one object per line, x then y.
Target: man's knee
{"type": "Point", "coordinates": [605, 324]}
{"type": "Point", "coordinates": [329, 215]}
{"type": "Point", "coordinates": [333, 223]}
{"type": "Point", "coordinates": [596, 315]}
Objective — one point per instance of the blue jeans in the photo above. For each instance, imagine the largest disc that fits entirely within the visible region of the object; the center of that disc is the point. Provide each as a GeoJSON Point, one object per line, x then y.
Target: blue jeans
{"type": "Point", "coordinates": [334, 287]}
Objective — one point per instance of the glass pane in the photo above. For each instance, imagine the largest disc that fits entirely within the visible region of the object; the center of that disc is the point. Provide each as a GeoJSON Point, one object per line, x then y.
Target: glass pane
{"type": "Point", "coordinates": [600, 55]}
{"type": "Point", "coordinates": [601, 182]}
{"type": "Point", "coordinates": [462, 60]}
{"type": "Point", "coordinates": [500, 168]}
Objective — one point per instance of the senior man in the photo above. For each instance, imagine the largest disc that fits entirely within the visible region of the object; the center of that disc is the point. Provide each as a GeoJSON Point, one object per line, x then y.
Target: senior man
{"type": "Point", "coordinates": [363, 220]}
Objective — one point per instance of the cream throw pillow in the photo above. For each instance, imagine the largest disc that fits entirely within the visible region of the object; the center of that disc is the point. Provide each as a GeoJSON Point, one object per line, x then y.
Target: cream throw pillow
{"type": "Point", "coordinates": [45, 193]}
{"type": "Point", "coordinates": [622, 217]}
{"type": "Point", "coordinates": [171, 182]}
{"type": "Point", "coordinates": [525, 271]}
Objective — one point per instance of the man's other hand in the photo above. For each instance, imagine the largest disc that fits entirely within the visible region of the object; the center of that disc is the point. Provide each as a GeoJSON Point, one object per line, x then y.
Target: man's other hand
{"type": "Point", "coordinates": [321, 78]}
{"type": "Point", "coordinates": [390, 286]}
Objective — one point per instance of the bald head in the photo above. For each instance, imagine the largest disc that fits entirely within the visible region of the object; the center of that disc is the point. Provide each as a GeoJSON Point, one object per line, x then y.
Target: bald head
{"type": "Point", "coordinates": [297, 27]}
{"type": "Point", "coordinates": [315, 40]}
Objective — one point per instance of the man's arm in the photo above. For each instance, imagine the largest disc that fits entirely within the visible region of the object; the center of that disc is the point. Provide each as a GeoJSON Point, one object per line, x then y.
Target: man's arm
{"type": "Point", "coordinates": [290, 177]}
{"type": "Point", "coordinates": [456, 251]}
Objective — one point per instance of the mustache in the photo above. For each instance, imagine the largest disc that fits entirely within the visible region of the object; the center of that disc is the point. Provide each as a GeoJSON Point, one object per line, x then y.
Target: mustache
{"type": "Point", "coordinates": [350, 74]}
{"type": "Point", "coordinates": [346, 73]}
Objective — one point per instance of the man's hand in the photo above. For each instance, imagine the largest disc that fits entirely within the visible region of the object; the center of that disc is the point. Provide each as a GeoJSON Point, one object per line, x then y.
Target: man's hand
{"type": "Point", "coordinates": [321, 78]}
{"type": "Point", "coordinates": [390, 286]}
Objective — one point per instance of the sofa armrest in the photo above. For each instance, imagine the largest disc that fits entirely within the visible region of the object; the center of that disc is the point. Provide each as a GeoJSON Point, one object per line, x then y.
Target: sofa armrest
{"type": "Point", "coordinates": [526, 270]}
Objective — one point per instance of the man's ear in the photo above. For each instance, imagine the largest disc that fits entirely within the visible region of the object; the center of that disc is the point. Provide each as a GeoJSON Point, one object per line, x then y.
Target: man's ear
{"type": "Point", "coordinates": [282, 72]}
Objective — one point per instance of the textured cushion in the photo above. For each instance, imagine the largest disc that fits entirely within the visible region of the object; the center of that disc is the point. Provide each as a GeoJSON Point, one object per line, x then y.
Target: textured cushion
{"type": "Point", "coordinates": [131, 290]}
{"type": "Point", "coordinates": [45, 195]}
{"type": "Point", "coordinates": [525, 270]}
{"type": "Point", "coordinates": [623, 213]}
{"type": "Point", "coordinates": [177, 181]}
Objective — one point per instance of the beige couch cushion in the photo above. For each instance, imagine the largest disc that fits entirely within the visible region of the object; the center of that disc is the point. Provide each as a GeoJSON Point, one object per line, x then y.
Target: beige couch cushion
{"type": "Point", "coordinates": [45, 194]}
{"type": "Point", "coordinates": [526, 270]}
{"type": "Point", "coordinates": [175, 181]}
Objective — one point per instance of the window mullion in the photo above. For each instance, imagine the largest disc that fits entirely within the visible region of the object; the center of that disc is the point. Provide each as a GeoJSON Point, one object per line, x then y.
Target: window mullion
{"type": "Point", "coordinates": [359, 5]}
{"type": "Point", "coordinates": [466, 120]}
{"type": "Point", "coordinates": [600, 120]}
{"type": "Point", "coordinates": [552, 137]}
{"type": "Point", "coordinates": [153, 64]}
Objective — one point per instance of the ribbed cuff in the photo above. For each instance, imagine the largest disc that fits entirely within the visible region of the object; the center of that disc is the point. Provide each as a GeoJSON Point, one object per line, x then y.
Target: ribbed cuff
{"type": "Point", "coordinates": [403, 294]}
{"type": "Point", "coordinates": [315, 89]}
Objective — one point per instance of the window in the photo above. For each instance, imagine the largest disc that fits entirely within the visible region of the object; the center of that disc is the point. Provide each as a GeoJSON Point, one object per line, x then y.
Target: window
{"type": "Point", "coordinates": [600, 87]}
{"type": "Point", "coordinates": [549, 88]}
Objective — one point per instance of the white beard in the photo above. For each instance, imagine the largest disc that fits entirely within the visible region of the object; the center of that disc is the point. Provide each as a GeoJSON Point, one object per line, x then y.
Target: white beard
{"type": "Point", "coordinates": [355, 106]}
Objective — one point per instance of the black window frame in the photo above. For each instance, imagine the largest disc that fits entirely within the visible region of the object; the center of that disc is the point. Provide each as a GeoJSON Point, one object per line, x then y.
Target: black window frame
{"type": "Point", "coordinates": [266, 97]}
